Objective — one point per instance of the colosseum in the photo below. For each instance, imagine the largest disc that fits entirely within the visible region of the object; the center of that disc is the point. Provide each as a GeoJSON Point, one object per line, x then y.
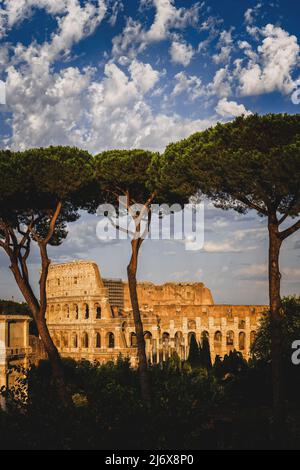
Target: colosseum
{"type": "Point", "coordinates": [91, 318]}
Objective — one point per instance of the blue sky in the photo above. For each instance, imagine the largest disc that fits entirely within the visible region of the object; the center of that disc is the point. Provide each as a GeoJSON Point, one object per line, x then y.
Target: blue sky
{"type": "Point", "coordinates": [142, 73]}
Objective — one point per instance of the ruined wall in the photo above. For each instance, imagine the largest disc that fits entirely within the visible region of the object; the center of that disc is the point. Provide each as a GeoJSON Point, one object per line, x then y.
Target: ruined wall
{"type": "Point", "coordinates": [170, 293]}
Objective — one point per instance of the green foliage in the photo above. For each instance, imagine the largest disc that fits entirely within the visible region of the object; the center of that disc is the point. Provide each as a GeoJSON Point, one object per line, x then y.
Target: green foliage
{"type": "Point", "coordinates": [34, 181]}
{"type": "Point", "coordinates": [290, 325]}
{"type": "Point", "coordinates": [124, 171]}
{"type": "Point", "coordinates": [252, 161]}
{"type": "Point", "coordinates": [226, 407]}
{"type": "Point", "coordinates": [8, 307]}
{"type": "Point", "coordinates": [205, 352]}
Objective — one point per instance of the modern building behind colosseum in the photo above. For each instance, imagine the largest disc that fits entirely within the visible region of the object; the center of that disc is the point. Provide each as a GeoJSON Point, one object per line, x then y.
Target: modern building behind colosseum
{"type": "Point", "coordinates": [90, 317]}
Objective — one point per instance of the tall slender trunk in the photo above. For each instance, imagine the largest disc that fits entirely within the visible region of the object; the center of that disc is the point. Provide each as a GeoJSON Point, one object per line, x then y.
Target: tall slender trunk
{"type": "Point", "coordinates": [142, 359]}
{"type": "Point", "coordinates": [39, 317]}
{"type": "Point", "coordinates": [276, 321]}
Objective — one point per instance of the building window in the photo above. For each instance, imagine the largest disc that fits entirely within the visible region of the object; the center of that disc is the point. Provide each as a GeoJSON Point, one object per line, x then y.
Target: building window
{"type": "Point", "coordinates": [75, 280]}
{"type": "Point", "coordinates": [133, 340]}
{"type": "Point", "coordinates": [74, 340]}
{"type": "Point", "coordinates": [76, 311]}
{"type": "Point", "coordinates": [218, 338]}
{"type": "Point", "coordinates": [110, 340]}
{"type": "Point", "coordinates": [98, 312]}
{"type": "Point", "coordinates": [98, 340]}
{"type": "Point", "coordinates": [85, 340]}
{"type": "Point", "coordinates": [87, 311]}
{"type": "Point", "coordinates": [229, 338]}
{"type": "Point", "coordinates": [242, 338]}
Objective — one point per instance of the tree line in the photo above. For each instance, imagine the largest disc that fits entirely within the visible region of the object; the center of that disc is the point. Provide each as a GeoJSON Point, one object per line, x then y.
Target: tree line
{"type": "Point", "coordinates": [251, 163]}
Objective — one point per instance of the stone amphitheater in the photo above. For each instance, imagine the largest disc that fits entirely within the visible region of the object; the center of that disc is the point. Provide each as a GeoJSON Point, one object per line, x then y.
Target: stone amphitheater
{"type": "Point", "coordinates": [91, 318]}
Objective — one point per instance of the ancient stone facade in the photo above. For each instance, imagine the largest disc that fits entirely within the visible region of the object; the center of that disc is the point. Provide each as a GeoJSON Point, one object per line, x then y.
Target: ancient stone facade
{"type": "Point", "coordinates": [14, 347]}
{"type": "Point", "coordinates": [88, 320]}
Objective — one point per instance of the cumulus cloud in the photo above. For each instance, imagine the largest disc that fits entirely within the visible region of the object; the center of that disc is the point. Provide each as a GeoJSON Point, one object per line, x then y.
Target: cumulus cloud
{"type": "Point", "coordinates": [191, 85]}
{"type": "Point", "coordinates": [221, 84]}
{"type": "Point", "coordinates": [72, 15]}
{"type": "Point", "coordinates": [270, 67]}
{"type": "Point", "coordinates": [229, 109]}
{"type": "Point", "coordinates": [225, 46]}
{"type": "Point", "coordinates": [181, 53]}
{"type": "Point", "coordinates": [135, 38]}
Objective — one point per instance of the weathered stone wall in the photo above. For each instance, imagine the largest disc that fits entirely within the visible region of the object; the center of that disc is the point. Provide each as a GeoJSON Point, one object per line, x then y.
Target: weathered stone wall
{"type": "Point", "coordinates": [83, 324]}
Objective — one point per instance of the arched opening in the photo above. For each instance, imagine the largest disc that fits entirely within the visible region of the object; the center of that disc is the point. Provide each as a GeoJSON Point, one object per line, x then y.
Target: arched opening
{"type": "Point", "coordinates": [110, 340]}
{"type": "Point", "coordinates": [85, 340]}
{"type": "Point", "coordinates": [98, 340]}
{"type": "Point", "coordinates": [242, 341]}
{"type": "Point", "coordinates": [217, 342]}
{"type": "Point", "coordinates": [66, 311]}
{"type": "Point", "coordinates": [74, 340]}
{"type": "Point", "coordinates": [148, 345]}
{"type": "Point", "coordinates": [133, 340]}
{"type": "Point", "coordinates": [230, 340]}
{"type": "Point", "coordinates": [252, 337]}
{"type": "Point", "coordinates": [86, 311]}
{"type": "Point", "coordinates": [76, 311]}
{"type": "Point", "coordinates": [98, 311]}
{"type": "Point", "coordinates": [65, 342]}
{"type": "Point", "coordinates": [165, 339]}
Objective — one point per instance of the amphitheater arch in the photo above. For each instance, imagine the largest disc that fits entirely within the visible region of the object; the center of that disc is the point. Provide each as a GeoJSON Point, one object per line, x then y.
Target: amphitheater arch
{"type": "Point", "coordinates": [110, 340]}
{"type": "Point", "coordinates": [242, 340]}
{"type": "Point", "coordinates": [98, 340]}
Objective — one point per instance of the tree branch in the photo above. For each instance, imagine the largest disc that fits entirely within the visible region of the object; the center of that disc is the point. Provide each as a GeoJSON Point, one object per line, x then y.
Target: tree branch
{"type": "Point", "coordinates": [289, 231]}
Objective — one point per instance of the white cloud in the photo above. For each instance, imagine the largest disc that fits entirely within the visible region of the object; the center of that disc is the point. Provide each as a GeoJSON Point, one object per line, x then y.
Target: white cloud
{"type": "Point", "coordinates": [134, 38]}
{"type": "Point", "coordinates": [225, 46]}
{"type": "Point", "coordinates": [231, 108]}
{"type": "Point", "coordinates": [221, 84]}
{"type": "Point", "coordinates": [191, 85]}
{"type": "Point", "coordinates": [181, 53]}
{"type": "Point", "coordinates": [270, 67]}
{"type": "Point", "coordinates": [143, 75]}
{"type": "Point", "coordinates": [222, 247]}
{"type": "Point", "coordinates": [251, 13]}
{"type": "Point", "coordinates": [71, 12]}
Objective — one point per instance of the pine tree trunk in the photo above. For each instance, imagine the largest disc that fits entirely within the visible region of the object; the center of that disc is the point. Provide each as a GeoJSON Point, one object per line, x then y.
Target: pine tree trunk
{"type": "Point", "coordinates": [142, 359]}
{"type": "Point", "coordinates": [54, 358]}
{"type": "Point", "coordinates": [51, 350]}
{"type": "Point", "coordinates": [276, 322]}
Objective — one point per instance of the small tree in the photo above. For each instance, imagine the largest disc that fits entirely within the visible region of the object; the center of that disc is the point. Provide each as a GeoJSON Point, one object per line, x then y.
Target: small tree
{"type": "Point", "coordinates": [194, 357]}
{"type": "Point", "coordinates": [41, 190]}
{"type": "Point", "coordinates": [205, 352]}
{"type": "Point", "coordinates": [250, 163]}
